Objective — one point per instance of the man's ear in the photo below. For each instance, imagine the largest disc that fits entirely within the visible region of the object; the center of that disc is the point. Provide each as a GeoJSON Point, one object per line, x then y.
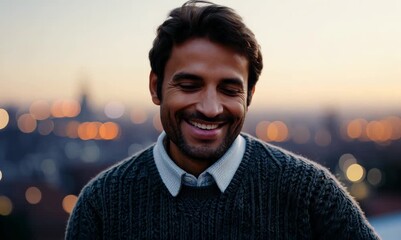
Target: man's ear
{"type": "Point", "coordinates": [153, 88]}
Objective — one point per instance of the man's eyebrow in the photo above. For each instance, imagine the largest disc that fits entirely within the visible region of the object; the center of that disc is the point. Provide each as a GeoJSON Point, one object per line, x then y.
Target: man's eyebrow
{"type": "Point", "coordinates": [234, 81]}
{"type": "Point", "coordinates": [184, 75]}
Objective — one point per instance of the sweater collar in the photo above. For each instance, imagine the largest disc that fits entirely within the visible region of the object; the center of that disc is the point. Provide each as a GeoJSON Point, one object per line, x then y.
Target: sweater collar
{"type": "Point", "coordinates": [222, 170]}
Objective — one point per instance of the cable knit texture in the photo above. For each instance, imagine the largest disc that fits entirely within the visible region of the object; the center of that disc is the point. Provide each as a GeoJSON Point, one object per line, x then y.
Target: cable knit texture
{"type": "Point", "coordinates": [274, 195]}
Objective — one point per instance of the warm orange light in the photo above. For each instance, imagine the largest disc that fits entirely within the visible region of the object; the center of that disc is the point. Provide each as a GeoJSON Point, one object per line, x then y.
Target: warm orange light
{"type": "Point", "coordinates": [378, 131]}
{"type": "Point", "coordinates": [40, 110]}
{"type": "Point", "coordinates": [6, 206]}
{"type": "Point", "coordinates": [395, 123]}
{"type": "Point", "coordinates": [277, 131]}
{"type": "Point", "coordinates": [65, 108]}
{"type": "Point", "coordinates": [354, 129]}
{"type": "Point", "coordinates": [138, 116]}
{"type": "Point", "coordinates": [92, 129]}
{"type": "Point", "coordinates": [69, 202]}
{"type": "Point", "coordinates": [57, 109]}
{"type": "Point", "coordinates": [89, 130]}
{"type": "Point", "coordinates": [387, 131]}
{"type": "Point", "coordinates": [26, 123]}
{"type": "Point", "coordinates": [4, 118]}
{"type": "Point", "coordinates": [33, 195]}
{"type": "Point", "coordinates": [82, 131]}
{"type": "Point", "coordinates": [70, 108]}
{"type": "Point", "coordinates": [109, 131]}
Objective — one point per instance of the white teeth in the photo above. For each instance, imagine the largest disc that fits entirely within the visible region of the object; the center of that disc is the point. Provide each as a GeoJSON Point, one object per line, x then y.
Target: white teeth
{"type": "Point", "coordinates": [204, 126]}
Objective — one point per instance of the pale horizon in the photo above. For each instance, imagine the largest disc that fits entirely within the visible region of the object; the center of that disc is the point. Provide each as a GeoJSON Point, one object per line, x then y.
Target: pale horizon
{"type": "Point", "coordinates": [342, 54]}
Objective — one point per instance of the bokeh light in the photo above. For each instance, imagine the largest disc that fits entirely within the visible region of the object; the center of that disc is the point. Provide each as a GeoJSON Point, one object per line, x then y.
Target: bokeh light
{"type": "Point", "coordinates": [69, 202]}
{"type": "Point", "coordinates": [90, 152]}
{"type": "Point", "coordinates": [114, 110]}
{"type": "Point", "coordinates": [359, 190]}
{"type": "Point", "coordinates": [72, 150]}
{"type": "Point", "coordinates": [355, 172]}
{"type": "Point", "coordinates": [57, 109]}
{"type": "Point", "coordinates": [374, 176]}
{"type": "Point", "coordinates": [33, 195]}
{"type": "Point", "coordinates": [40, 110]}
{"type": "Point", "coordinates": [109, 131]}
{"type": "Point", "coordinates": [4, 118]}
{"type": "Point", "coordinates": [26, 123]}
{"type": "Point", "coordinates": [138, 116]}
{"type": "Point", "coordinates": [375, 130]}
{"type": "Point", "coordinates": [48, 167]}
{"type": "Point", "coordinates": [65, 108]}
{"type": "Point", "coordinates": [277, 131]}
{"type": "Point", "coordinates": [6, 206]}
{"type": "Point", "coordinates": [395, 123]}
{"type": "Point", "coordinates": [345, 161]}
{"type": "Point", "coordinates": [45, 127]}
{"type": "Point", "coordinates": [356, 129]}
{"type": "Point", "coordinates": [71, 108]}
{"type": "Point", "coordinates": [1, 175]}
{"type": "Point", "coordinates": [88, 130]}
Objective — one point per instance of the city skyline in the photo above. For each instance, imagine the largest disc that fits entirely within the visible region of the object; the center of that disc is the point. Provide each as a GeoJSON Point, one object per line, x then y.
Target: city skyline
{"type": "Point", "coordinates": [318, 55]}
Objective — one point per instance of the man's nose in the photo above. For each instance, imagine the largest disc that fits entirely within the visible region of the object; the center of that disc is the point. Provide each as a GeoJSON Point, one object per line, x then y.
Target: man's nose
{"type": "Point", "coordinates": [209, 104]}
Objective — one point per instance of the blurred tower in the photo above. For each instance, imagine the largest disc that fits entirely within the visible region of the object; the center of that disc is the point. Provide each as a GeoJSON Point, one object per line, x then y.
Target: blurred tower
{"type": "Point", "coordinates": [86, 113]}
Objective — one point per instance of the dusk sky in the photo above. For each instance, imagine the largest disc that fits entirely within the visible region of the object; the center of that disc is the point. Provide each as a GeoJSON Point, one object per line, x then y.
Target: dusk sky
{"type": "Point", "coordinates": [344, 54]}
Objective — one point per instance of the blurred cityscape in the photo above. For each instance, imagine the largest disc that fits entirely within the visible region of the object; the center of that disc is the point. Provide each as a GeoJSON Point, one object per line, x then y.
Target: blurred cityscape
{"type": "Point", "coordinates": [50, 149]}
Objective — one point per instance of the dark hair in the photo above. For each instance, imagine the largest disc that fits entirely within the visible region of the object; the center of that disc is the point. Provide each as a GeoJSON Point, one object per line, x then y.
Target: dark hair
{"type": "Point", "coordinates": [219, 24]}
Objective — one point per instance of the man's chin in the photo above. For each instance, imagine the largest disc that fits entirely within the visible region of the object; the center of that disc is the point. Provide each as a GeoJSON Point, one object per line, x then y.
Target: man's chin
{"type": "Point", "coordinates": [204, 153]}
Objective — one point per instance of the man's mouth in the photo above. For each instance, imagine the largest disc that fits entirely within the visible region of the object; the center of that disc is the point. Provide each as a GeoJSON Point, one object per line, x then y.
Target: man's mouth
{"type": "Point", "coordinates": [204, 126]}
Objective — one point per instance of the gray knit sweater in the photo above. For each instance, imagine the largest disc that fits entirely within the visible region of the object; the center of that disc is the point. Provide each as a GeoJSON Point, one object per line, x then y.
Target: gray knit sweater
{"type": "Point", "coordinates": [273, 195]}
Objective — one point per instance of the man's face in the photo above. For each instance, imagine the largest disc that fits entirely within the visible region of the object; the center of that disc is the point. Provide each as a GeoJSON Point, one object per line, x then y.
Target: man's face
{"type": "Point", "coordinates": [203, 103]}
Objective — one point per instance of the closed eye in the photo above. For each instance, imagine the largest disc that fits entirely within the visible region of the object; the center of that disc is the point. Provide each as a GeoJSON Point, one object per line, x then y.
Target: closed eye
{"type": "Point", "coordinates": [188, 86]}
{"type": "Point", "coordinates": [187, 82]}
{"type": "Point", "coordinates": [232, 87]}
{"type": "Point", "coordinates": [232, 91]}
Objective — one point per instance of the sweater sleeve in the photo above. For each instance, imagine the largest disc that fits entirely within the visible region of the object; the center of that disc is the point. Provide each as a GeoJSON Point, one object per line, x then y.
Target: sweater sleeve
{"type": "Point", "coordinates": [335, 214]}
{"type": "Point", "coordinates": [84, 221]}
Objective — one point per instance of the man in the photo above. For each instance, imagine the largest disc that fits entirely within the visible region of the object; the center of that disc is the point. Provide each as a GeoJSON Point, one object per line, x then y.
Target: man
{"type": "Point", "coordinates": [203, 179]}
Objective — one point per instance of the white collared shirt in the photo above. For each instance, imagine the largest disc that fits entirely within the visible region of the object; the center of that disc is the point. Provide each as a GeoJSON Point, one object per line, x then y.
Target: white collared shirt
{"type": "Point", "coordinates": [221, 172]}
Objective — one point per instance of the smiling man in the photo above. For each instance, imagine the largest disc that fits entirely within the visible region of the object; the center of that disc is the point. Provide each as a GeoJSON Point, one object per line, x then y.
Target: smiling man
{"type": "Point", "coordinates": [203, 101]}
{"type": "Point", "coordinates": [204, 179]}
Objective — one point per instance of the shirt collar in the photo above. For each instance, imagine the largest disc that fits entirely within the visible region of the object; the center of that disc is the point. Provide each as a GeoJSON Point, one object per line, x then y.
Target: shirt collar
{"type": "Point", "coordinates": [222, 170]}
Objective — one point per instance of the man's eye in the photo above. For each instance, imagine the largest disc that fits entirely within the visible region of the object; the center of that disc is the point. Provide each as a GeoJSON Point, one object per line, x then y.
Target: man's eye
{"type": "Point", "coordinates": [231, 91]}
{"type": "Point", "coordinates": [188, 87]}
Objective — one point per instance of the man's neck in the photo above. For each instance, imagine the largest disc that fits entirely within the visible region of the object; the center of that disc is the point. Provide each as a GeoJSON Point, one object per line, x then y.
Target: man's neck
{"type": "Point", "coordinates": [188, 164]}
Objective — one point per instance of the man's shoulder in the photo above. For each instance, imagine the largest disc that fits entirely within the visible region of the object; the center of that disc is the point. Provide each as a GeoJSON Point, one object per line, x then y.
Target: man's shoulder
{"type": "Point", "coordinates": [123, 170]}
{"type": "Point", "coordinates": [276, 156]}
